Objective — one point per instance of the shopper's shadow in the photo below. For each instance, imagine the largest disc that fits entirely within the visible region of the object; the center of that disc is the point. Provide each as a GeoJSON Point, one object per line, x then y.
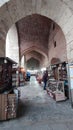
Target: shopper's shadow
{"type": "Point", "coordinates": [23, 109]}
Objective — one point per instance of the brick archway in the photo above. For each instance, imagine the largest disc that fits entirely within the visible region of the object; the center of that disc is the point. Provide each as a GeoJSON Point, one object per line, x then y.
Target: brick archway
{"type": "Point", "coordinates": [14, 10]}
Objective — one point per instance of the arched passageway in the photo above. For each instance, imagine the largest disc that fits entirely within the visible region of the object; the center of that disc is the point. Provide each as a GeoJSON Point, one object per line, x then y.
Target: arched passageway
{"type": "Point", "coordinates": [40, 37]}
{"type": "Point", "coordinates": [50, 38]}
{"type": "Point", "coordinates": [12, 11]}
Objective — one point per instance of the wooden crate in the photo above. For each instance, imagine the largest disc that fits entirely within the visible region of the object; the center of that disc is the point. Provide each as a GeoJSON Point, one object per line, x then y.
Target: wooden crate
{"type": "Point", "coordinates": [3, 106]}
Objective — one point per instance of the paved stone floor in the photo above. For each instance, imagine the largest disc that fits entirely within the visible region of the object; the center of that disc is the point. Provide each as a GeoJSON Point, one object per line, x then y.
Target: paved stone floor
{"type": "Point", "coordinates": [38, 111]}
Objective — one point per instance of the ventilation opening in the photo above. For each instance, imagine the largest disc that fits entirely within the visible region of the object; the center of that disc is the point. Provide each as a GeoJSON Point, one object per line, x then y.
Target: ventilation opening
{"type": "Point", "coordinates": [53, 26]}
{"type": "Point", "coordinates": [54, 44]}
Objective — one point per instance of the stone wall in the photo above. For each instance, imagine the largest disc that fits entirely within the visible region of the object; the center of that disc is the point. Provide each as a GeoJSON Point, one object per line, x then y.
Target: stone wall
{"type": "Point", "coordinates": [57, 44]}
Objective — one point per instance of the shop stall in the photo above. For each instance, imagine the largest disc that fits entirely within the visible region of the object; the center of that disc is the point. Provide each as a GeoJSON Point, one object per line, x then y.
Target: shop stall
{"type": "Point", "coordinates": [58, 86]}
{"type": "Point", "coordinates": [9, 94]}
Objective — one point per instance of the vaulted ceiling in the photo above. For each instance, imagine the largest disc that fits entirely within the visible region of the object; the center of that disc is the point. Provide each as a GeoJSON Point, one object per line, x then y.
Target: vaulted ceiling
{"type": "Point", "coordinates": [33, 32]}
{"type": "Point", "coordinates": [61, 11]}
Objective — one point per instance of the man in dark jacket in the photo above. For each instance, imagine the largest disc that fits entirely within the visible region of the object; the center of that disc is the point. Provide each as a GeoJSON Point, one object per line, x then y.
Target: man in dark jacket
{"type": "Point", "coordinates": [45, 78]}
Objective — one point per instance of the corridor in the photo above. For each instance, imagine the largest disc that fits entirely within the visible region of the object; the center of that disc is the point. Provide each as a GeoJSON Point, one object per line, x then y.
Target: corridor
{"type": "Point", "coordinates": [38, 111]}
{"type": "Point", "coordinates": [35, 35]}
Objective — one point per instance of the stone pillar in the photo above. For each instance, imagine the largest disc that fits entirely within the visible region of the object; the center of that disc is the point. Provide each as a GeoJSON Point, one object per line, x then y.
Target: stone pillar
{"type": "Point", "coordinates": [12, 47]}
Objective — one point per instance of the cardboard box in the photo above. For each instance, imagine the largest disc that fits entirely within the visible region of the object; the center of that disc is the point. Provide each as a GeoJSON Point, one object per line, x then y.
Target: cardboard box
{"type": "Point", "coordinates": [59, 96]}
{"type": "Point", "coordinates": [12, 106]}
{"type": "Point", "coordinates": [8, 106]}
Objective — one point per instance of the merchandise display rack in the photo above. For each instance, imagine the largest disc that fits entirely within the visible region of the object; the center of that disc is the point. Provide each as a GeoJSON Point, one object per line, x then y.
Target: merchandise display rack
{"type": "Point", "coordinates": [9, 94]}
{"type": "Point", "coordinates": [56, 83]}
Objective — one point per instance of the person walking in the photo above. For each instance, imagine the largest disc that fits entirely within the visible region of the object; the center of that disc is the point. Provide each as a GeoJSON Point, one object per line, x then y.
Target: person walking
{"type": "Point", "coordinates": [45, 78]}
{"type": "Point", "coordinates": [28, 75]}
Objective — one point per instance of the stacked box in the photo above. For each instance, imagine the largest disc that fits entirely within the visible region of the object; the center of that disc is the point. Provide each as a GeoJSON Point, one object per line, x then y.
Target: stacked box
{"type": "Point", "coordinates": [12, 106]}
{"type": "Point", "coordinates": [8, 105]}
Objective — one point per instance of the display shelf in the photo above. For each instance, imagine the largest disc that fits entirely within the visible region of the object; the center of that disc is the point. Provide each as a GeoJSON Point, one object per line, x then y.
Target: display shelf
{"type": "Point", "coordinates": [14, 78]}
{"type": "Point", "coordinates": [56, 90]}
{"type": "Point", "coordinates": [60, 74]}
{"type": "Point", "coordinates": [5, 73]}
{"type": "Point", "coordinates": [21, 79]}
{"type": "Point", "coordinates": [8, 98]}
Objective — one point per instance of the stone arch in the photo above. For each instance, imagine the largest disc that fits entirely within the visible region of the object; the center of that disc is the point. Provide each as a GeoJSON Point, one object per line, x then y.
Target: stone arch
{"type": "Point", "coordinates": [34, 48]}
{"type": "Point", "coordinates": [60, 11]}
{"type": "Point", "coordinates": [33, 63]}
{"type": "Point", "coordinates": [32, 56]}
{"type": "Point", "coordinates": [44, 61]}
{"type": "Point", "coordinates": [55, 60]}
{"type": "Point", "coordinates": [37, 55]}
{"type": "Point", "coordinates": [29, 55]}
